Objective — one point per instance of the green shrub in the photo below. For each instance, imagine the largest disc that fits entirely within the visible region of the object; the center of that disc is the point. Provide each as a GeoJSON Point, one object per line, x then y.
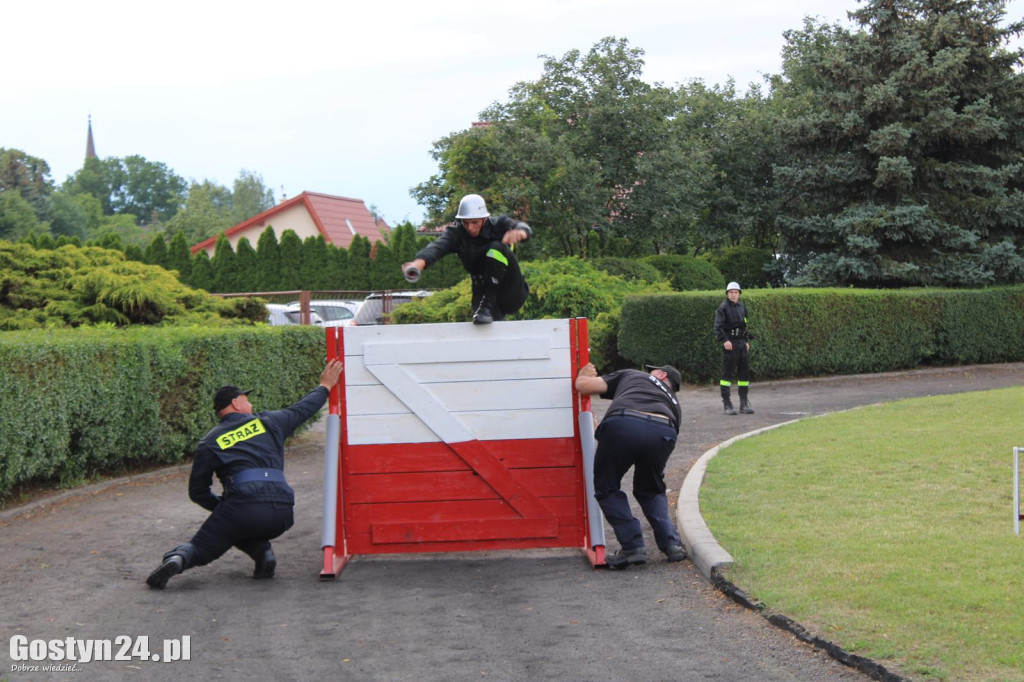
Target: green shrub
{"type": "Point", "coordinates": [687, 273]}
{"type": "Point", "coordinates": [743, 264]}
{"type": "Point", "coordinates": [816, 332]}
{"type": "Point", "coordinates": [629, 269]}
{"type": "Point", "coordinates": [74, 403]}
{"type": "Point", "coordinates": [73, 286]}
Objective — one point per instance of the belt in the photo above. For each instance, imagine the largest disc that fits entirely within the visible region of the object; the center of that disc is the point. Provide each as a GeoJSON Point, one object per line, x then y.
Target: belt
{"type": "Point", "coordinates": [251, 475]}
{"type": "Point", "coordinates": [623, 412]}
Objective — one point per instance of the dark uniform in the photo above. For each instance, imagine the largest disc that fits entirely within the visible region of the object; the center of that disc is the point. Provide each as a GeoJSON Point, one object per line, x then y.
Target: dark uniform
{"type": "Point", "coordinates": [628, 438]}
{"type": "Point", "coordinates": [246, 452]}
{"type": "Point", "coordinates": [492, 266]}
{"type": "Point", "coordinates": [731, 325]}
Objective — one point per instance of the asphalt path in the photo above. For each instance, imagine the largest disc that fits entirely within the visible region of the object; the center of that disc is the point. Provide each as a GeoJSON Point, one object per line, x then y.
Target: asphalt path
{"type": "Point", "coordinates": [73, 566]}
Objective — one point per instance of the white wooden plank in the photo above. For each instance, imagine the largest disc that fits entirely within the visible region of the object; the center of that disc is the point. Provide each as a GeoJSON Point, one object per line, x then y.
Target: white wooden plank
{"type": "Point", "coordinates": [500, 395]}
{"type": "Point", "coordinates": [433, 414]}
{"type": "Point", "coordinates": [527, 424]}
{"type": "Point", "coordinates": [558, 365]}
{"type": "Point", "coordinates": [356, 337]}
{"type": "Point", "coordinates": [426, 352]}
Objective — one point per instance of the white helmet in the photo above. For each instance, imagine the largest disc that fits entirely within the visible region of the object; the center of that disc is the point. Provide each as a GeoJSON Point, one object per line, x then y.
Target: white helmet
{"type": "Point", "coordinates": [471, 207]}
{"type": "Point", "coordinates": [732, 285]}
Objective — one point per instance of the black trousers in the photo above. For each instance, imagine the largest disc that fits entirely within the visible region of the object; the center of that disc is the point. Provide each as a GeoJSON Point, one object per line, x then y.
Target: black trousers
{"type": "Point", "coordinates": [625, 442]}
{"type": "Point", "coordinates": [247, 524]}
{"type": "Point", "coordinates": [496, 273]}
{"type": "Point", "coordinates": [736, 364]}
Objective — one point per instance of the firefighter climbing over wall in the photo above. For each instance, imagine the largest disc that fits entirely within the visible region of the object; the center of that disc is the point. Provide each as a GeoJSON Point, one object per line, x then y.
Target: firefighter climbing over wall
{"type": "Point", "coordinates": [484, 245]}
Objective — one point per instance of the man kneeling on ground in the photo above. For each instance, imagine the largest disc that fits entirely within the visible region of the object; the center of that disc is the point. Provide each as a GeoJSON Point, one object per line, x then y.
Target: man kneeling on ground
{"type": "Point", "coordinates": [246, 452]}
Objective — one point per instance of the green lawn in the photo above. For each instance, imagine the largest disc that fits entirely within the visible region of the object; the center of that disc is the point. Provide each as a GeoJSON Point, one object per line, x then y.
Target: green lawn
{"type": "Point", "coordinates": [886, 529]}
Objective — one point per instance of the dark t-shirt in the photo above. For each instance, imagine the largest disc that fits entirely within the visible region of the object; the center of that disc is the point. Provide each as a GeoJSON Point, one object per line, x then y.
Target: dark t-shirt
{"type": "Point", "coordinates": [633, 389]}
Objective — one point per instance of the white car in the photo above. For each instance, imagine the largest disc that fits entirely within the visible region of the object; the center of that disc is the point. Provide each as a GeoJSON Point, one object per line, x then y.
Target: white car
{"type": "Point", "coordinates": [377, 304]}
{"type": "Point", "coordinates": [330, 313]}
{"type": "Point", "coordinates": [279, 314]}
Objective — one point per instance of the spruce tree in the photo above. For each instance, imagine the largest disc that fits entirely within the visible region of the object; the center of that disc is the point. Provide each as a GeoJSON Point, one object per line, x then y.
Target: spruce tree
{"type": "Point", "coordinates": [906, 147]}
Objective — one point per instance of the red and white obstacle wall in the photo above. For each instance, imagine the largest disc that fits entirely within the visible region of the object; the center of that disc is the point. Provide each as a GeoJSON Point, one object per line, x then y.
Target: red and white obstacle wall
{"type": "Point", "coordinates": [459, 437]}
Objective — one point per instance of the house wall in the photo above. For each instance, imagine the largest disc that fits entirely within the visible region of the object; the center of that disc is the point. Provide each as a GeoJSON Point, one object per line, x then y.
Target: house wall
{"type": "Point", "coordinates": [296, 218]}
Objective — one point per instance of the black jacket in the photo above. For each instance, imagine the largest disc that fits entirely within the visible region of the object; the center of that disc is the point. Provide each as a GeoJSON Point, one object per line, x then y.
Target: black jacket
{"type": "Point", "coordinates": [249, 441]}
{"type": "Point", "coordinates": [456, 240]}
{"type": "Point", "coordinates": [731, 322]}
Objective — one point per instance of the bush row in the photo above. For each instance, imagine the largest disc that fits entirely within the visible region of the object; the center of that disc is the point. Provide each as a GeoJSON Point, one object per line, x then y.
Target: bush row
{"type": "Point", "coordinates": [816, 332]}
{"type": "Point", "coordinates": [74, 403]}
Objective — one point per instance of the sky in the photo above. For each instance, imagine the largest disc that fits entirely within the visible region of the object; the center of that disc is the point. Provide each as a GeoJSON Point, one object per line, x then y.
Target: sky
{"type": "Point", "coordinates": [331, 97]}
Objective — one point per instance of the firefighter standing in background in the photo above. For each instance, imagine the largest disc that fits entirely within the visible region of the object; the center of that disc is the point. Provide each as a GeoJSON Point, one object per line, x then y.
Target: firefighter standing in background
{"type": "Point", "coordinates": [731, 331]}
{"type": "Point", "coordinates": [246, 451]}
{"type": "Point", "coordinates": [484, 245]}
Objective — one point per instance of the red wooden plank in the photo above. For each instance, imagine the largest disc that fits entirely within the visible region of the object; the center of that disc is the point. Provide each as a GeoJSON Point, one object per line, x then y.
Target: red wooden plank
{"type": "Point", "coordinates": [362, 516]}
{"type": "Point", "coordinates": [514, 454]}
{"type": "Point", "coordinates": [503, 481]}
{"type": "Point", "coordinates": [464, 531]}
{"type": "Point", "coordinates": [455, 485]}
{"type": "Point", "coordinates": [568, 536]}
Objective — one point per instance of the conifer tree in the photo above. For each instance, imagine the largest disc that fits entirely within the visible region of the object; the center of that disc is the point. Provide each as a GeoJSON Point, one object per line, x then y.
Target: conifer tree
{"type": "Point", "coordinates": [907, 147]}
{"type": "Point", "coordinates": [156, 251]}
{"type": "Point", "coordinates": [357, 275]}
{"type": "Point", "coordinates": [339, 275]}
{"type": "Point", "coordinates": [178, 256]}
{"type": "Point", "coordinates": [245, 264]}
{"type": "Point", "coordinates": [268, 261]}
{"type": "Point", "coordinates": [202, 271]}
{"type": "Point", "coordinates": [316, 267]}
{"type": "Point", "coordinates": [223, 263]}
{"type": "Point", "coordinates": [291, 261]}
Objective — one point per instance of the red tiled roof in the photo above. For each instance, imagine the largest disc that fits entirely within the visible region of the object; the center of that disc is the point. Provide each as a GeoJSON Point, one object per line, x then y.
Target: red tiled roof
{"type": "Point", "coordinates": [332, 216]}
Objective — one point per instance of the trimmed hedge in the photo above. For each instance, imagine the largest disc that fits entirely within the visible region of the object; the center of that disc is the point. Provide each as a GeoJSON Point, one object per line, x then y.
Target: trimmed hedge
{"type": "Point", "coordinates": [816, 332]}
{"type": "Point", "coordinates": [75, 403]}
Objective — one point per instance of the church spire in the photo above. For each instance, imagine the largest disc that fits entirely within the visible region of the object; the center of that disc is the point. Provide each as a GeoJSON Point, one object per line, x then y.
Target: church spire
{"type": "Point", "coordinates": [90, 148]}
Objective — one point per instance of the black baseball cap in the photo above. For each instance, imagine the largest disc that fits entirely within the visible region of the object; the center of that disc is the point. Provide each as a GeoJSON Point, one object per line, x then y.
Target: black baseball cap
{"type": "Point", "coordinates": [225, 394]}
{"type": "Point", "coordinates": [673, 374]}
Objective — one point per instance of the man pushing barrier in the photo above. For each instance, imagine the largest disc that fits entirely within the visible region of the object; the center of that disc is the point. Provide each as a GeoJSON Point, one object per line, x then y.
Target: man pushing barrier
{"type": "Point", "coordinates": [246, 452]}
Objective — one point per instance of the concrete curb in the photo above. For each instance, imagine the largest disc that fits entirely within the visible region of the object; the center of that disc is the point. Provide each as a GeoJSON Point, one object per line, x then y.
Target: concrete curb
{"type": "Point", "coordinates": [701, 545]}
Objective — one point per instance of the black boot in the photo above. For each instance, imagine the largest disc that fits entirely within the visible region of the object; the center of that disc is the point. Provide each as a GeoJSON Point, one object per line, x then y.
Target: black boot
{"type": "Point", "coordinates": [625, 558]}
{"type": "Point", "coordinates": [173, 565]}
{"type": "Point", "coordinates": [266, 564]}
{"type": "Point", "coordinates": [484, 313]}
{"type": "Point", "coordinates": [745, 407]}
{"type": "Point", "coordinates": [727, 400]}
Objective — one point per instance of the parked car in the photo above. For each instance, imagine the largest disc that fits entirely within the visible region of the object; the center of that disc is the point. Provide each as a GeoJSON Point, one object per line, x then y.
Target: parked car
{"type": "Point", "coordinates": [281, 314]}
{"type": "Point", "coordinates": [373, 309]}
{"type": "Point", "coordinates": [332, 313]}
